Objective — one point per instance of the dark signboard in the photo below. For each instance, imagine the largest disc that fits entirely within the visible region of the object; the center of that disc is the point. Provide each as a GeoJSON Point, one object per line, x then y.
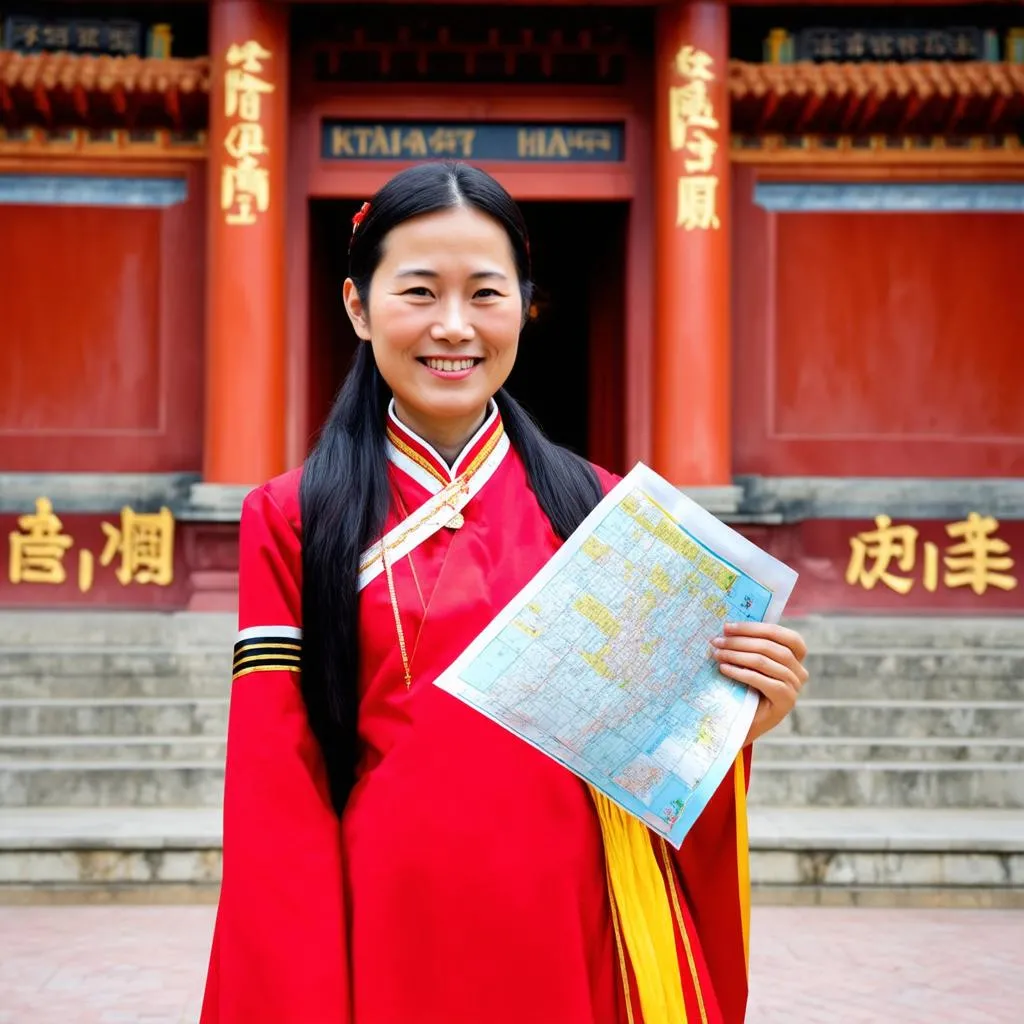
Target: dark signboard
{"type": "Point", "coordinates": [559, 143]}
{"type": "Point", "coordinates": [891, 44]}
{"type": "Point", "coordinates": [27, 34]}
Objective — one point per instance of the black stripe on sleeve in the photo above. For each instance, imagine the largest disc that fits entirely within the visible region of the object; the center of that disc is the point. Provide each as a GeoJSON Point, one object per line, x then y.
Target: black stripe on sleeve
{"type": "Point", "coordinates": [265, 654]}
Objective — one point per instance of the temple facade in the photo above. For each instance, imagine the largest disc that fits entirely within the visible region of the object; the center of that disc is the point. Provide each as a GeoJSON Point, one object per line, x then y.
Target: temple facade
{"type": "Point", "coordinates": [777, 258]}
{"type": "Point", "coordinates": [778, 255]}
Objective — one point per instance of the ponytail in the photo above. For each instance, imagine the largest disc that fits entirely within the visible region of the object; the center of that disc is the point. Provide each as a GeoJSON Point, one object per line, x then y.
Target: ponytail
{"type": "Point", "coordinates": [344, 501]}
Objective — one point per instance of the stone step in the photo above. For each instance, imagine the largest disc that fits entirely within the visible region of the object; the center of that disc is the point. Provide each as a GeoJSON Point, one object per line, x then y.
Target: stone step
{"type": "Point", "coordinates": [128, 629]}
{"type": "Point", "coordinates": [144, 629]}
{"type": "Point", "coordinates": [110, 784]}
{"type": "Point", "coordinates": [843, 750]}
{"type": "Point", "coordinates": [892, 720]}
{"type": "Point", "coordinates": [125, 685]}
{"type": "Point", "coordinates": [195, 677]}
{"type": "Point", "coordinates": [158, 749]}
{"type": "Point", "coordinates": [176, 630]}
{"type": "Point", "coordinates": [846, 749]}
{"type": "Point", "coordinates": [805, 783]}
{"type": "Point", "coordinates": [191, 682]}
{"type": "Point", "coordinates": [111, 717]}
{"type": "Point", "coordinates": [98, 661]}
{"type": "Point", "coordinates": [905, 719]}
{"type": "Point", "coordinates": [873, 687]}
{"type": "Point", "coordinates": [198, 782]}
{"type": "Point", "coordinates": [923, 663]}
{"type": "Point", "coordinates": [897, 632]}
{"type": "Point", "coordinates": [963, 854]}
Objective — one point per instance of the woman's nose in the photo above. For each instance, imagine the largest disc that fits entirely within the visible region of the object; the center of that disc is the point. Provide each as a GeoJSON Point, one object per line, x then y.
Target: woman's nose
{"type": "Point", "coordinates": [454, 325]}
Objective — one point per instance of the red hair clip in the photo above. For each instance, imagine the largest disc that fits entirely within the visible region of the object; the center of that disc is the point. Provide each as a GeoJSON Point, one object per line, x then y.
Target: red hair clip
{"type": "Point", "coordinates": [360, 216]}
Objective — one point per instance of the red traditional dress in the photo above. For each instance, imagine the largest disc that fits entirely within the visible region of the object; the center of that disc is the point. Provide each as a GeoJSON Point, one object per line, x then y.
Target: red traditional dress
{"type": "Point", "coordinates": [466, 882]}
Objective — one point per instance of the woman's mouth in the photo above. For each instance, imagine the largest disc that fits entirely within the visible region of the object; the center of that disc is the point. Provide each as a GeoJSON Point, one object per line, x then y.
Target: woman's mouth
{"type": "Point", "coordinates": [451, 369]}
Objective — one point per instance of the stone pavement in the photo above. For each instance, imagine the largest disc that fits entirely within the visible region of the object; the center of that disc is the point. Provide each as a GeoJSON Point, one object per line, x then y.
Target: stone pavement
{"type": "Point", "coordinates": [811, 965]}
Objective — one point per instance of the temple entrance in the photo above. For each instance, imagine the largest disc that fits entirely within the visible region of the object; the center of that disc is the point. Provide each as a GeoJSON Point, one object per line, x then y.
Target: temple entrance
{"type": "Point", "coordinates": [570, 371]}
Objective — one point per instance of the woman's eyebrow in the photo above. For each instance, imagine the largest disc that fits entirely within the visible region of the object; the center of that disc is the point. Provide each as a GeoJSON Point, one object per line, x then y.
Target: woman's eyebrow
{"type": "Point", "coordinates": [477, 275]}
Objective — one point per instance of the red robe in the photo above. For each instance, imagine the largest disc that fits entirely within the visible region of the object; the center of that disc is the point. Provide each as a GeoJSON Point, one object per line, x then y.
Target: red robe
{"type": "Point", "coordinates": [466, 882]}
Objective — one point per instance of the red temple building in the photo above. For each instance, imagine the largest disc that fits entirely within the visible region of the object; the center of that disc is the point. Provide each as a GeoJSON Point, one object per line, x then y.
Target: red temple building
{"type": "Point", "coordinates": [779, 253]}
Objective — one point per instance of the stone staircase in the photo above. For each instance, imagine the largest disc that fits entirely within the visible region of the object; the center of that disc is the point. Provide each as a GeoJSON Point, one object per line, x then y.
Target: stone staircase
{"type": "Point", "coordinates": [899, 776]}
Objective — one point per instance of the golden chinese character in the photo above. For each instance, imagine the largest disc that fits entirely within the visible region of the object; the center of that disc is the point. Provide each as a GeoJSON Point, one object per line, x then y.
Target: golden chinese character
{"type": "Point", "coordinates": [87, 37]}
{"type": "Point", "coordinates": [121, 39]}
{"type": "Point", "coordinates": [882, 546]}
{"type": "Point", "coordinates": [249, 55]}
{"type": "Point", "coordinates": [688, 107]}
{"type": "Point", "coordinates": [56, 37]}
{"type": "Point", "coordinates": [702, 149]}
{"type": "Point", "coordinates": [248, 185]}
{"type": "Point", "coordinates": [697, 203]}
{"type": "Point", "coordinates": [85, 571]}
{"type": "Point", "coordinates": [694, 63]}
{"type": "Point", "coordinates": [37, 552]}
{"type": "Point", "coordinates": [453, 141]}
{"type": "Point", "coordinates": [145, 543]}
{"type": "Point", "coordinates": [245, 139]}
{"type": "Point", "coordinates": [980, 560]}
{"type": "Point", "coordinates": [242, 94]}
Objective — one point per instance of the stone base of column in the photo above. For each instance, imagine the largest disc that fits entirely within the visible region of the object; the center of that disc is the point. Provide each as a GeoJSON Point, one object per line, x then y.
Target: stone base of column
{"type": "Point", "coordinates": [216, 503]}
{"type": "Point", "coordinates": [718, 500]}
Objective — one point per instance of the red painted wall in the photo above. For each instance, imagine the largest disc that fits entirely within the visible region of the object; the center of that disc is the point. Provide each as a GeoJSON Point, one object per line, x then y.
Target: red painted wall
{"type": "Point", "coordinates": [877, 344]}
{"type": "Point", "coordinates": [101, 337]}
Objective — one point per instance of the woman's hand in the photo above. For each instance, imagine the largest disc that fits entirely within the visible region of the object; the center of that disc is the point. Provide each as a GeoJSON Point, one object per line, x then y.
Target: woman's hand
{"type": "Point", "coordinates": [768, 658]}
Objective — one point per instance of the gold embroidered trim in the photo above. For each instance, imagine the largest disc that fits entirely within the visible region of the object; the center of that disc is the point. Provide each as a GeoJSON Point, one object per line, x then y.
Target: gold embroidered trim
{"type": "Point", "coordinates": [239, 662]}
{"type": "Point", "coordinates": [262, 644]}
{"type": "Point", "coordinates": [670, 882]}
{"type": "Point", "coordinates": [420, 516]}
{"type": "Point", "coordinates": [422, 461]}
{"type": "Point", "coordinates": [442, 498]}
{"type": "Point", "coordinates": [623, 969]}
{"type": "Point", "coordinates": [481, 455]}
{"type": "Point", "coordinates": [265, 668]}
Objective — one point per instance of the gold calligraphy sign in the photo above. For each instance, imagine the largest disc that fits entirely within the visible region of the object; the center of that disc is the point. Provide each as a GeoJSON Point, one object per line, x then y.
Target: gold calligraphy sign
{"type": "Point", "coordinates": [142, 543]}
{"type": "Point", "coordinates": [888, 554]}
{"type": "Point", "coordinates": [691, 127]}
{"type": "Point", "coordinates": [245, 183]}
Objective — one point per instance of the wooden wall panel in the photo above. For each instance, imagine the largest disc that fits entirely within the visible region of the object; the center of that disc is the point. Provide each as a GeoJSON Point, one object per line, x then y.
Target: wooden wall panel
{"type": "Point", "coordinates": [877, 344]}
{"type": "Point", "coordinates": [101, 337]}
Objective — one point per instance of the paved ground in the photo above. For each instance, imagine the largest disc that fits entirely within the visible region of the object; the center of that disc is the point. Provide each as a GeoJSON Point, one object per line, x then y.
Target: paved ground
{"type": "Point", "coordinates": [145, 965]}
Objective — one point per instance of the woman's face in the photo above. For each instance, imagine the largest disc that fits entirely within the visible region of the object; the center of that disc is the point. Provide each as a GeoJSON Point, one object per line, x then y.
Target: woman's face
{"type": "Point", "coordinates": [444, 317]}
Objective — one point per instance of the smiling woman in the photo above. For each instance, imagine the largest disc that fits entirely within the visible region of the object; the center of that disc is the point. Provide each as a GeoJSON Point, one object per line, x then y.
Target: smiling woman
{"type": "Point", "coordinates": [443, 315]}
{"type": "Point", "coordinates": [390, 855]}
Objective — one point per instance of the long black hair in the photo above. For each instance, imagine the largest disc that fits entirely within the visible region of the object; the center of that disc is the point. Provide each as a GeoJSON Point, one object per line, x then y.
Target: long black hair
{"type": "Point", "coordinates": [345, 494]}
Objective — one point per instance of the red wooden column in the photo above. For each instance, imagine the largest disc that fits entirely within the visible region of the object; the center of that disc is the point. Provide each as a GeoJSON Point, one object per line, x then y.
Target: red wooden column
{"type": "Point", "coordinates": [691, 413]}
{"type": "Point", "coordinates": [245, 339]}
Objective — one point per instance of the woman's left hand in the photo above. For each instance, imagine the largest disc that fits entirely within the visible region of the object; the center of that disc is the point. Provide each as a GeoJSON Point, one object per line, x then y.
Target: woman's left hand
{"type": "Point", "coordinates": [768, 658]}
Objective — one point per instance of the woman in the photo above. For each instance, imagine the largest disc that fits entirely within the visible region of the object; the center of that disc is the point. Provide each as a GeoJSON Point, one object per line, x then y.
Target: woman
{"type": "Point", "coordinates": [390, 855]}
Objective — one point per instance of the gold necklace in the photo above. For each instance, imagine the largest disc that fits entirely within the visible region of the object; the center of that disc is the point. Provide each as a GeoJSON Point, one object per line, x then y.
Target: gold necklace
{"type": "Point", "coordinates": [407, 660]}
{"type": "Point", "coordinates": [398, 617]}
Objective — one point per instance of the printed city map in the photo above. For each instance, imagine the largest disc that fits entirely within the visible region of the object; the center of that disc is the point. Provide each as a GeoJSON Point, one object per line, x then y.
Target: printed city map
{"type": "Point", "coordinates": [603, 663]}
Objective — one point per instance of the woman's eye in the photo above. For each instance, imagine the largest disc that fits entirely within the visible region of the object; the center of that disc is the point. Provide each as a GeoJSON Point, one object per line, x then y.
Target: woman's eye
{"type": "Point", "coordinates": [419, 291]}
{"type": "Point", "coordinates": [486, 293]}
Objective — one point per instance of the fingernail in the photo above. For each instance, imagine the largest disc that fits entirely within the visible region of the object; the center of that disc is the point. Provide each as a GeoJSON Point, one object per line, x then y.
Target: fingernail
{"type": "Point", "coordinates": [719, 641]}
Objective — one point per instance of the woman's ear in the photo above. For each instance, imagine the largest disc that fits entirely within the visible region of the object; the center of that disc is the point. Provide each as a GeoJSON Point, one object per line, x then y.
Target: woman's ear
{"type": "Point", "coordinates": [357, 312]}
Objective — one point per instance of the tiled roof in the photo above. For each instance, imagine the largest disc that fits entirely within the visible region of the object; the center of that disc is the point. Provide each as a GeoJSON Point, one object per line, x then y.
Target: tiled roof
{"type": "Point", "coordinates": [61, 88]}
{"type": "Point", "coordinates": [102, 74]}
{"type": "Point", "coordinates": [882, 97]}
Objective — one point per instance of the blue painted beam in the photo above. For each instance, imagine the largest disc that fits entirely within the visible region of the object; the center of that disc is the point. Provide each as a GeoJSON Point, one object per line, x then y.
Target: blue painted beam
{"type": "Point", "coordinates": [91, 190]}
{"type": "Point", "coordinates": [882, 197]}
